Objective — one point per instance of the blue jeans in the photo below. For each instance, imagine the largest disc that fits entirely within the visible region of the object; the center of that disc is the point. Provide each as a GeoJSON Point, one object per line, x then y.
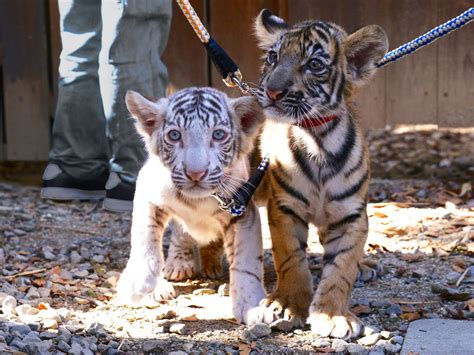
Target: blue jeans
{"type": "Point", "coordinates": [109, 47]}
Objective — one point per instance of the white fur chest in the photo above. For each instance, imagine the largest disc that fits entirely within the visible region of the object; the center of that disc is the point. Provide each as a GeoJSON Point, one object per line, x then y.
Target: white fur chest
{"type": "Point", "coordinates": [201, 218]}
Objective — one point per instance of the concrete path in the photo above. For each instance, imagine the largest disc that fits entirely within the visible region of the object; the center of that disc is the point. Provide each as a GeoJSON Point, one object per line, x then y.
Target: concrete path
{"type": "Point", "coordinates": [439, 336]}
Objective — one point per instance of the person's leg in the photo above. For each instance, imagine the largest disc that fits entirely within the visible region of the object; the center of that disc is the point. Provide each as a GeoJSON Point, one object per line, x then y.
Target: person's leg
{"type": "Point", "coordinates": [79, 154]}
{"type": "Point", "coordinates": [134, 36]}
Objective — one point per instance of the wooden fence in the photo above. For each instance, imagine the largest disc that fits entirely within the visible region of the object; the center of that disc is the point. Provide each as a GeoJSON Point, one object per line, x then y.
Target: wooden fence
{"type": "Point", "coordinates": [431, 86]}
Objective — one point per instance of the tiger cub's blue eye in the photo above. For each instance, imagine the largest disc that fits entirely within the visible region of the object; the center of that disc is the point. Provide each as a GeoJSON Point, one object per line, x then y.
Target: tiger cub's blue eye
{"type": "Point", "coordinates": [218, 134]}
{"type": "Point", "coordinates": [174, 135]}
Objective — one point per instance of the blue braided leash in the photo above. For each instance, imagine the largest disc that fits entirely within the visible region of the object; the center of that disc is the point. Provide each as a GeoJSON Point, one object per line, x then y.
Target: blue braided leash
{"type": "Point", "coordinates": [429, 37]}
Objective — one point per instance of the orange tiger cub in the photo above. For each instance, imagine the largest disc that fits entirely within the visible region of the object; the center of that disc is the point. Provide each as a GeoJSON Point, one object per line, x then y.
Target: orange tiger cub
{"type": "Point", "coordinates": [319, 163]}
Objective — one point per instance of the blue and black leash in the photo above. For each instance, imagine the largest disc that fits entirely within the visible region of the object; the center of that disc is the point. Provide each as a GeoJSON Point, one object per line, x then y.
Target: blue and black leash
{"type": "Point", "coordinates": [232, 77]}
{"type": "Point", "coordinates": [428, 37]}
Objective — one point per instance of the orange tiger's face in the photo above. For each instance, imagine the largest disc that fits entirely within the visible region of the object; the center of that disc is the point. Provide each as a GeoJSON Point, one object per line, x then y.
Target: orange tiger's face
{"type": "Point", "coordinates": [310, 68]}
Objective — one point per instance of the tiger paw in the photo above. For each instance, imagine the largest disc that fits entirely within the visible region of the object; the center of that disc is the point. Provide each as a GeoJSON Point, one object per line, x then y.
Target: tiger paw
{"type": "Point", "coordinates": [345, 326]}
{"type": "Point", "coordinates": [139, 282]}
{"type": "Point", "coordinates": [211, 260]}
{"type": "Point", "coordinates": [369, 270]}
{"type": "Point", "coordinates": [211, 268]}
{"type": "Point", "coordinates": [291, 307]}
{"type": "Point", "coordinates": [180, 266]}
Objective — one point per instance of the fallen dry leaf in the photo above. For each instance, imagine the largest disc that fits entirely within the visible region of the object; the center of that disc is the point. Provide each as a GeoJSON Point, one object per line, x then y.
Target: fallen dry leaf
{"type": "Point", "coordinates": [412, 258]}
{"type": "Point", "coordinates": [361, 309]}
{"type": "Point", "coordinates": [379, 214]}
{"type": "Point", "coordinates": [410, 317]}
{"type": "Point", "coordinates": [458, 265]}
{"type": "Point", "coordinates": [189, 318]}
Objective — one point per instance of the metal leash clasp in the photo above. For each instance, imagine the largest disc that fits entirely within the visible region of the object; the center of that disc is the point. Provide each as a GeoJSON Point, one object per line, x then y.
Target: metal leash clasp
{"type": "Point", "coordinates": [235, 79]}
{"type": "Point", "coordinates": [229, 205]}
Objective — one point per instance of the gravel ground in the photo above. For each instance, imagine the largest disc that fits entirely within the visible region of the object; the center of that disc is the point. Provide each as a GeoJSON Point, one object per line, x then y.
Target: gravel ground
{"type": "Point", "coordinates": [59, 263]}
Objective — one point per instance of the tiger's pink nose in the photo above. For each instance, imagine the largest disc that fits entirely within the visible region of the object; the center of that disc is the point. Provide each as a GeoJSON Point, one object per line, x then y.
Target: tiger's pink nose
{"type": "Point", "coordinates": [275, 94]}
{"type": "Point", "coordinates": [195, 176]}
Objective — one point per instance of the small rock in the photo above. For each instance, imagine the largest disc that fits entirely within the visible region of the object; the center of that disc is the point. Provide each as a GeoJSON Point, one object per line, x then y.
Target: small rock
{"type": "Point", "coordinates": [394, 309]}
{"type": "Point", "coordinates": [321, 343]}
{"type": "Point", "coordinates": [8, 305]}
{"type": "Point", "coordinates": [8, 234]}
{"type": "Point", "coordinates": [80, 300]}
{"type": "Point", "coordinates": [49, 314]}
{"type": "Point", "coordinates": [380, 304]}
{"type": "Point", "coordinates": [452, 277]}
{"type": "Point", "coordinates": [65, 275]}
{"type": "Point", "coordinates": [164, 313]}
{"type": "Point", "coordinates": [356, 349]}
{"type": "Point", "coordinates": [64, 314]}
{"type": "Point", "coordinates": [187, 347]}
{"type": "Point", "coordinates": [179, 328]}
{"type": "Point", "coordinates": [247, 336]}
{"type": "Point", "coordinates": [63, 346]}
{"type": "Point", "coordinates": [25, 309]}
{"type": "Point", "coordinates": [19, 232]}
{"type": "Point", "coordinates": [339, 345]}
{"type": "Point", "coordinates": [369, 330]}
{"type": "Point", "coordinates": [17, 343]}
{"type": "Point", "coordinates": [36, 327]}
{"type": "Point", "coordinates": [152, 345]}
{"type": "Point", "coordinates": [75, 257]}
{"type": "Point", "coordinates": [223, 290]}
{"type": "Point", "coordinates": [44, 292]}
{"type": "Point", "coordinates": [386, 334]}
{"type": "Point", "coordinates": [369, 339]}
{"type": "Point", "coordinates": [32, 338]}
{"type": "Point", "coordinates": [32, 293]}
{"type": "Point", "coordinates": [397, 339]}
{"type": "Point", "coordinates": [377, 351]}
{"type": "Point", "coordinates": [50, 324]}
{"type": "Point", "coordinates": [98, 258]}
{"type": "Point", "coordinates": [204, 291]}
{"type": "Point", "coordinates": [114, 344]}
{"type": "Point", "coordinates": [81, 273]}
{"type": "Point", "coordinates": [48, 253]}
{"type": "Point", "coordinates": [388, 346]}
{"type": "Point", "coordinates": [179, 352]}
{"type": "Point", "coordinates": [48, 335]}
{"type": "Point", "coordinates": [282, 325]}
{"type": "Point", "coordinates": [260, 330]}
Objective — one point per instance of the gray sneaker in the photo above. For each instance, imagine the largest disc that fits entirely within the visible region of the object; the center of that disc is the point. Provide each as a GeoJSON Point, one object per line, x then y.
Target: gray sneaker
{"type": "Point", "coordinates": [58, 185]}
{"type": "Point", "coordinates": [118, 194]}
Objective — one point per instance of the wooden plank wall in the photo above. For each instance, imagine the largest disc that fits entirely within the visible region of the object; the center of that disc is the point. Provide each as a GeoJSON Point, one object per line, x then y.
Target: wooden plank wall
{"type": "Point", "coordinates": [430, 86]}
{"type": "Point", "coordinates": [25, 87]}
{"type": "Point", "coordinates": [433, 85]}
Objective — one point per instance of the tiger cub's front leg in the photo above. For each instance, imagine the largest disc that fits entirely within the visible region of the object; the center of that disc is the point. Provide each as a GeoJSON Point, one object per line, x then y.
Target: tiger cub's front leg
{"type": "Point", "coordinates": [142, 280]}
{"type": "Point", "coordinates": [244, 250]}
{"type": "Point", "coordinates": [293, 293]}
{"type": "Point", "coordinates": [343, 242]}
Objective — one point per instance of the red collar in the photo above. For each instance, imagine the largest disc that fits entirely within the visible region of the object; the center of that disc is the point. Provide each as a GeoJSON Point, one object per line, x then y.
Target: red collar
{"type": "Point", "coordinates": [315, 122]}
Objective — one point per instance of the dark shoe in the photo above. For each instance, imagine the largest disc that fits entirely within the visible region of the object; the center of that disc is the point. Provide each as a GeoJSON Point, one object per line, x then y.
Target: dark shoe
{"type": "Point", "coordinates": [57, 185]}
{"type": "Point", "coordinates": [118, 194]}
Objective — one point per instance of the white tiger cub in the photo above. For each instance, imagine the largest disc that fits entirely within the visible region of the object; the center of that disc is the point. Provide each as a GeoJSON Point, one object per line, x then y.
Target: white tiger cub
{"type": "Point", "coordinates": [198, 140]}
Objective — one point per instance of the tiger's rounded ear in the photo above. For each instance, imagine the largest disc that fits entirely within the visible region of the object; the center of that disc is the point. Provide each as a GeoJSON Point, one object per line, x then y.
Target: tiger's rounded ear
{"type": "Point", "coordinates": [268, 28]}
{"type": "Point", "coordinates": [250, 114]}
{"type": "Point", "coordinates": [363, 49]}
{"type": "Point", "coordinates": [148, 114]}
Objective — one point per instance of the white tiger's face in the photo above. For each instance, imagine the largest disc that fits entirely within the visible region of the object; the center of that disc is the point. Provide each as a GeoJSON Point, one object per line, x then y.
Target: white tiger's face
{"type": "Point", "coordinates": [197, 133]}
